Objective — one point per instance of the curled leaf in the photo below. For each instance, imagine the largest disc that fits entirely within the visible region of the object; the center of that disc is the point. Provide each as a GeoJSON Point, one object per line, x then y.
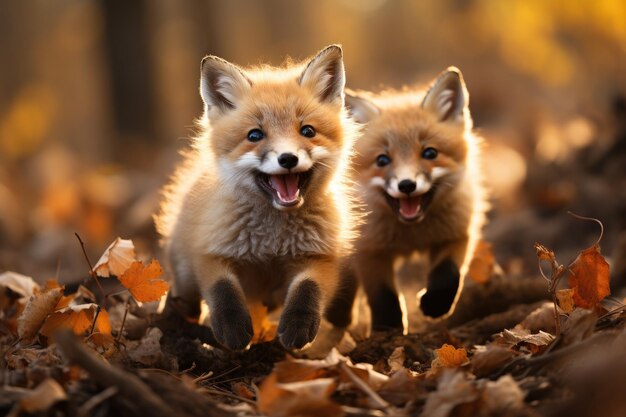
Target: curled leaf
{"type": "Point", "coordinates": [78, 318]}
{"type": "Point", "coordinates": [566, 299]}
{"type": "Point", "coordinates": [116, 259]}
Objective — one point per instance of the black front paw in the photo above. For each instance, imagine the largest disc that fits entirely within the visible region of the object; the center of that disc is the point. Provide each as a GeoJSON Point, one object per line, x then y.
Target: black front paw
{"type": "Point", "coordinates": [230, 321]}
{"type": "Point", "coordinates": [437, 303]}
{"type": "Point", "coordinates": [232, 328]}
{"type": "Point", "coordinates": [300, 320]}
{"type": "Point", "coordinates": [297, 328]}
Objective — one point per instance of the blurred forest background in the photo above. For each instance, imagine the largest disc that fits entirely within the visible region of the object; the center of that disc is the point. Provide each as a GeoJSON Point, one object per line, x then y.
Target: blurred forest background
{"type": "Point", "coordinates": [97, 96]}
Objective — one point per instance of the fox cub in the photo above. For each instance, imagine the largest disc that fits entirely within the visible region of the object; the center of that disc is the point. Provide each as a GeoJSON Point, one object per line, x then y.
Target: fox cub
{"type": "Point", "coordinates": [417, 171]}
{"type": "Point", "coordinates": [256, 213]}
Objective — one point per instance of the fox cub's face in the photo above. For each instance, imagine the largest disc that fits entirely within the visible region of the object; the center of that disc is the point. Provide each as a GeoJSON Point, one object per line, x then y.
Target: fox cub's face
{"type": "Point", "coordinates": [413, 150]}
{"type": "Point", "coordinates": [276, 132]}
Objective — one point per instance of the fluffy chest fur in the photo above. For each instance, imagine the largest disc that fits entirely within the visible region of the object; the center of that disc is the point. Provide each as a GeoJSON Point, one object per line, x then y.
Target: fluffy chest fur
{"type": "Point", "coordinates": [248, 227]}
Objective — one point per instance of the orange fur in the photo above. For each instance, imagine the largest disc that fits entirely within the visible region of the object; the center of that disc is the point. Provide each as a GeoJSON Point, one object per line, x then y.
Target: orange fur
{"type": "Point", "coordinates": [448, 209]}
{"type": "Point", "coordinates": [222, 217]}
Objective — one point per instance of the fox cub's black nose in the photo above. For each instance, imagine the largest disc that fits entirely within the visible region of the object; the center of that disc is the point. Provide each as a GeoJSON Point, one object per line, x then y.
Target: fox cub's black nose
{"type": "Point", "coordinates": [287, 160]}
{"type": "Point", "coordinates": [406, 186]}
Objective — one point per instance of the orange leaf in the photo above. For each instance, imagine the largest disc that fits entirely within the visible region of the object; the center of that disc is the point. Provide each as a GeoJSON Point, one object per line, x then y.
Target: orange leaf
{"type": "Point", "coordinates": [78, 318]}
{"type": "Point", "coordinates": [589, 278]}
{"type": "Point", "coordinates": [450, 357]}
{"type": "Point", "coordinates": [566, 299]}
{"type": "Point", "coordinates": [143, 282]}
{"type": "Point", "coordinates": [264, 330]}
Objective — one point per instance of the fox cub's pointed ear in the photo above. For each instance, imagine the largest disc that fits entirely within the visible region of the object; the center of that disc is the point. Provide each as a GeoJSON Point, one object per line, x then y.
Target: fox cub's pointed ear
{"type": "Point", "coordinates": [222, 84]}
{"type": "Point", "coordinates": [325, 75]}
{"type": "Point", "coordinates": [447, 97]}
{"type": "Point", "coordinates": [361, 109]}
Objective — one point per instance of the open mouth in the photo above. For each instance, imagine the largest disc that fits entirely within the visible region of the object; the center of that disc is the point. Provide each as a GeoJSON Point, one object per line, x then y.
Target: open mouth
{"type": "Point", "coordinates": [412, 208]}
{"type": "Point", "coordinates": [285, 189]}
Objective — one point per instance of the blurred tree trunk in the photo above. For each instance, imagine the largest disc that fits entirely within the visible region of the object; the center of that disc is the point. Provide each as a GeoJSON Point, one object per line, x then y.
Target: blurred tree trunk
{"type": "Point", "coordinates": [127, 47]}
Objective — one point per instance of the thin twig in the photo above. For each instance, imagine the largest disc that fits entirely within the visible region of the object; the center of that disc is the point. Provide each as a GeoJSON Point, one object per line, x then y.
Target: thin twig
{"type": "Point", "coordinates": [203, 377]}
{"type": "Point", "coordinates": [227, 394]}
{"type": "Point", "coordinates": [377, 400]}
{"type": "Point", "coordinates": [93, 402]}
{"type": "Point", "coordinates": [592, 220]}
{"type": "Point", "coordinates": [119, 335]}
{"type": "Point", "coordinates": [95, 319]}
{"type": "Point", "coordinates": [92, 273]}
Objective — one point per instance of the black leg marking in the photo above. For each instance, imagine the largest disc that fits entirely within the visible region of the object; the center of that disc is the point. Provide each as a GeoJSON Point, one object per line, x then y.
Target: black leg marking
{"type": "Point", "coordinates": [300, 319]}
{"type": "Point", "coordinates": [443, 284]}
{"type": "Point", "coordinates": [339, 310]}
{"type": "Point", "coordinates": [386, 310]}
{"type": "Point", "coordinates": [230, 320]}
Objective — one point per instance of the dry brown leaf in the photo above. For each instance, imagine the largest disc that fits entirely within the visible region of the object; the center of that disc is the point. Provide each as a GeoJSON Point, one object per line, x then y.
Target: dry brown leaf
{"type": "Point", "coordinates": [403, 386]}
{"type": "Point", "coordinates": [519, 337]}
{"type": "Point", "coordinates": [116, 259]}
{"type": "Point", "coordinates": [541, 318]}
{"type": "Point", "coordinates": [78, 318]}
{"type": "Point", "coordinates": [264, 330]}
{"type": "Point", "coordinates": [43, 397]}
{"type": "Point", "coordinates": [396, 359]}
{"type": "Point", "coordinates": [565, 298]}
{"type": "Point", "coordinates": [37, 309]}
{"type": "Point", "coordinates": [453, 390]}
{"type": "Point", "coordinates": [580, 324]}
{"type": "Point", "coordinates": [490, 358]}
{"type": "Point", "coordinates": [589, 278]}
{"type": "Point", "coordinates": [306, 398]}
{"type": "Point", "coordinates": [483, 263]}
{"type": "Point", "coordinates": [502, 397]}
{"type": "Point", "coordinates": [15, 286]}
{"type": "Point", "coordinates": [144, 282]}
{"type": "Point", "coordinates": [450, 357]}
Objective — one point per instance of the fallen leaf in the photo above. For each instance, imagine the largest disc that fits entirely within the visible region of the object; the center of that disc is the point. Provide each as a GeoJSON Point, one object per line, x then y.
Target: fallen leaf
{"type": "Point", "coordinates": [306, 398]}
{"type": "Point", "coordinates": [490, 358]}
{"type": "Point", "coordinates": [144, 282]}
{"type": "Point", "coordinates": [589, 278]}
{"type": "Point", "coordinates": [116, 259]}
{"type": "Point", "coordinates": [520, 337]}
{"type": "Point", "coordinates": [565, 298]}
{"type": "Point", "coordinates": [580, 324]}
{"type": "Point", "coordinates": [37, 309]}
{"type": "Point", "coordinates": [541, 318]}
{"type": "Point", "coordinates": [43, 397]}
{"type": "Point", "coordinates": [264, 330]}
{"type": "Point", "coordinates": [502, 397]}
{"type": "Point", "coordinates": [402, 386]}
{"type": "Point", "coordinates": [15, 286]}
{"type": "Point", "coordinates": [449, 357]}
{"type": "Point", "coordinates": [483, 263]}
{"type": "Point", "coordinates": [453, 390]}
{"type": "Point", "coordinates": [78, 318]}
{"type": "Point", "coordinates": [396, 359]}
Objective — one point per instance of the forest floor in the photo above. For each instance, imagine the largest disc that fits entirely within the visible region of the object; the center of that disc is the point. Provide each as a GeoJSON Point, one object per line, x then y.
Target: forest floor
{"type": "Point", "coordinates": [500, 354]}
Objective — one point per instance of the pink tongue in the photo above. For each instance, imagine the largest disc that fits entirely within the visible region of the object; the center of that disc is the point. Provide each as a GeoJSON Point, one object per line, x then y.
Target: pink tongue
{"type": "Point", "coordinates": [286, 187]}
{"type": "Point", "coordinates": [409, 207]}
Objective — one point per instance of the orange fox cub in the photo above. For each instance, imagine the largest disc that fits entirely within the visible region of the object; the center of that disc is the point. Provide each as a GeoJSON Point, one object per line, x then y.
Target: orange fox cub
{"type": "Point", "coordinates": [256, 213]}
{"type": "Point", "coordinates": [417, 172]}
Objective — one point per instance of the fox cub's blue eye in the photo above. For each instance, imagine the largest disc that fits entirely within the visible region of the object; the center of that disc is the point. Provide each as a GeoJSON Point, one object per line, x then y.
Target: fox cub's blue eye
{"type": "Point", "coordinates": [255, 135]}
{"type": "Point", "coordinates": [307, 131]}
{"type": "Point", "coordinates": [429, 153]}
{"type": "Point", "coordinates": [382, 160]}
